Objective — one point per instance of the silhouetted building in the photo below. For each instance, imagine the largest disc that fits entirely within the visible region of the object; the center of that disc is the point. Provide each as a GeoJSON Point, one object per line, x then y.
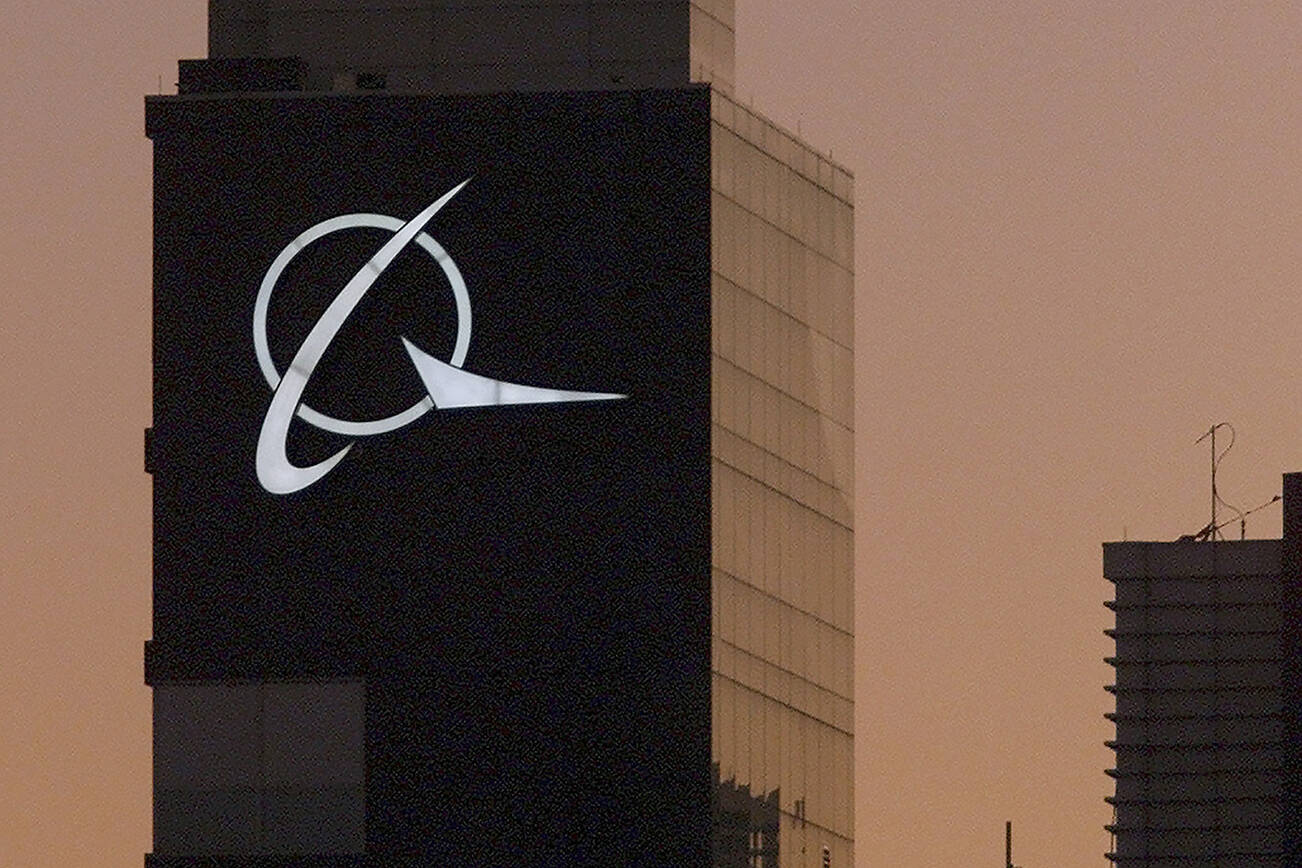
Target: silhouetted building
{"type": "Point", "coordinates": [746, 826]}
{"type": "Point", "coordinates": [502, 446]}
{"type": "Point", "coordinates": [1207, 698]}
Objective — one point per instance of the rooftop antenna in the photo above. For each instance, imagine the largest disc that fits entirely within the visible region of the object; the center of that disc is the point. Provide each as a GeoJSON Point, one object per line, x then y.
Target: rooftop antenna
{"type": "Point", "coordinates": [1243, 523]}
{"type": "Point", "coordinates": [1008, 845]}
{"type": "Point", "coordinates": [1213, 530]}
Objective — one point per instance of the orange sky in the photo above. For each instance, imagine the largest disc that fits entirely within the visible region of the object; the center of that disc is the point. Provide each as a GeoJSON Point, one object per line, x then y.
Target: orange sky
{"type": "Point", "coordinates": [1078, 229]}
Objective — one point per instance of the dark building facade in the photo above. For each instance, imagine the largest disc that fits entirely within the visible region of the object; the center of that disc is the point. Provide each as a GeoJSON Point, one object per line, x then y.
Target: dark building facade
{"type": "Point", "coordinates": [502, 447]}
{"type": "Point", "coordinates": [1207, 698]}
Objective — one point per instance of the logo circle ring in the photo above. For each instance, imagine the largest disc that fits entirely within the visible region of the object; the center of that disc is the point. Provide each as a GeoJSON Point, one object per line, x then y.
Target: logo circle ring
{"type": "Point", "coordinates": [320, 230]}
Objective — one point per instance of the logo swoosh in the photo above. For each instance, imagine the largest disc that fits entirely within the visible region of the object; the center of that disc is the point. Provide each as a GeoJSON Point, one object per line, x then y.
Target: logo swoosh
{"type": "Point", "coordinates": [275, 472]}
{"type": "Point", "coordinates": [451, 387]}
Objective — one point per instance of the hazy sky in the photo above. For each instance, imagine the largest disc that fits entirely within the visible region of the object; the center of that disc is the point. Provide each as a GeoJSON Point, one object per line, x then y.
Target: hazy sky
{"type": "Point", "coordinates": [1079, 227]}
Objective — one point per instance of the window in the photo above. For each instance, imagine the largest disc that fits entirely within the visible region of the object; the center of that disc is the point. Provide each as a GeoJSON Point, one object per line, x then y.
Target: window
{"type": "Point", "coordinates": [259, 767]}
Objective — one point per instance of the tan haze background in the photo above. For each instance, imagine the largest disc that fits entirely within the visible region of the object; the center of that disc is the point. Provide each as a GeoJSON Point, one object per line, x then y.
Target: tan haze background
{"type": "Point", "coordinates": [1079, 233]}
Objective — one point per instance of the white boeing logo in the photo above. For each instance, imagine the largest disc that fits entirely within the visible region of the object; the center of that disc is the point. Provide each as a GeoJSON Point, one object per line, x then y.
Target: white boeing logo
{"type": "Point", "coordinates": [448, 386]}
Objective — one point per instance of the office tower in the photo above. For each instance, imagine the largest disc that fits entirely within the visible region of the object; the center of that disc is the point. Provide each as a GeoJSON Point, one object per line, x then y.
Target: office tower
{"type": "Point", "coordinates": [1207, 698]}
{"type": "Point", "coordinates": [502, 446]}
